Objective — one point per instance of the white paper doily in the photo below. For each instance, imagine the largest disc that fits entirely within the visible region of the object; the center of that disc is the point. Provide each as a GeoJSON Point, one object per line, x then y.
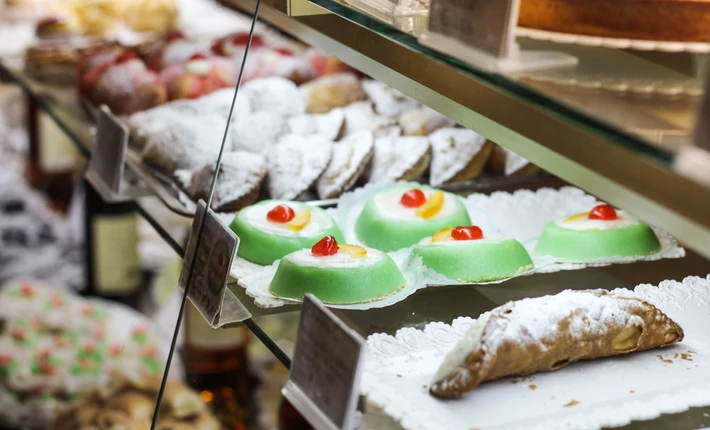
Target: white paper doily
{"type": "Point", "coordinates": [524, 213]}
{"type": "Point", "coordinates": [613, 42]}
{"type": "Point", "coordinates": [521, 215]}
{"type": "Point", "coordinates": [582, 396]}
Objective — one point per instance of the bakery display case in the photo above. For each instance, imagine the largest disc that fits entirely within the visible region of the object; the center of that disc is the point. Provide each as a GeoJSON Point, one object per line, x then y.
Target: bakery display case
{"type": "Point", "coordinates": [416, 196]}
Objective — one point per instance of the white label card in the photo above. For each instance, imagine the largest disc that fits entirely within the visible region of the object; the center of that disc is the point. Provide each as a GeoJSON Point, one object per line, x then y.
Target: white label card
{"type": "Point", "coordinates": [324, 383]}
{"type": "Point", "coordinates": [213, 261]}
{"type": "Point", "coordinates": [109, 154]}
{"type": "Point", "coordinates": [486, 25]}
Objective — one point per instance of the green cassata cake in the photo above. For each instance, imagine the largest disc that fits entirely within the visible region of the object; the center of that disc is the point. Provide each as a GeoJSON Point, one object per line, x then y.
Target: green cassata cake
{"type": "Point", "coordinates": [271, 229]}
{"type": "Point", "coordinates": [602, 232]}
{"type": "Point", "coordinates": [337, 274]}
{"type": "Point", "coordinates": [401, 216]}
{"type": "Point", "coordinates": [464, 254]}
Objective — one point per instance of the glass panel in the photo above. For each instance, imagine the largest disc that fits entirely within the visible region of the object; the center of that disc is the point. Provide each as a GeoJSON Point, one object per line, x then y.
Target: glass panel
{"type": "Point", "coordinates": [650, 97]}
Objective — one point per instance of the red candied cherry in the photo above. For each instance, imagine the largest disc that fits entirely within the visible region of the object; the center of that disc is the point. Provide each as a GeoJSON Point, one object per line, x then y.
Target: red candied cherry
{"type": "Point", "coordinates": [27, 290]}
{"type": "Point", "coordinates": [175, 35]}
{"type": "Point", "coordinates": [413, 198]}
{"type": "Point", "coordinates": [326, 246]}
{"type": "Point", "coordinates": [242, 38]}
{"type": "Point", "coordinates": [218, 47]}
{"type": "Point", "coordinates": [603, 212]}
{"type": "Point", "coordinates": [281, 213]}
{"type": "Point", "coordinates": [198, 56]}
{"type": "Point", "coordinates": [5, 359]}
{"type": "Point", "coordinates": [470, 232]}
{"type": "Point", "coordinates": [284, 51]}
{"type": "Point", "coordinates": [125, 57]}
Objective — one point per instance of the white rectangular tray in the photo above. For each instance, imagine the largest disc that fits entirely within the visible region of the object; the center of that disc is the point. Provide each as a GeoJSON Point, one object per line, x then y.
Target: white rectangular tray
{"type": "Point", "coordinates": [586, 395]}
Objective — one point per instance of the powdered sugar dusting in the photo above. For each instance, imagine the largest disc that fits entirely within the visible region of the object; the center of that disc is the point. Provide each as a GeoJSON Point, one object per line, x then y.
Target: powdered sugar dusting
{"type": "Point", "coordinates": [240, 174]}
{"type": "Point", "coordinates": [259, 131]}
{"type": "Point", "coordinates": [186, 144]}
{"type": "Point", "coordinates": [536, 323]}
{"type": "Point", "coordinates": [350, 156]}
{"type": "Point", "coordinates": [179, 51]}
{"type": "Point", "coordinates": [423, 121]}
{"type": "Point", "coordinates": [396, 156]}
{"type": "Point", "coordinates": [360, 116]}
{"type": "Point", "coordinates": [453, 149]}
{"type": "Point", "coordinates": [295, 163]}
{"type": "Point", "coordinates": [387, 100]}
{"type": "Point", "coordinates": [327, 125]}
{"type": "Point", "coordinates": [275, 95]}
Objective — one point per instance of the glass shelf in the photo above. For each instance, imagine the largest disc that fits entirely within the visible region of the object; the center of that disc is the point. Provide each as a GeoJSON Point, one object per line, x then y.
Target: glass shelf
{"type": "Point", "coordinates": [650, 98]}
{"type": "Point", "coordinates": [619, 147]}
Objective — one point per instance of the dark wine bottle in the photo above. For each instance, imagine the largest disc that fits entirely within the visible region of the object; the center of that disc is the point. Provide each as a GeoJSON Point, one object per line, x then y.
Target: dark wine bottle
{"type": "Point", "coordinates": [217, 365]}
{"type": "Point", "coordinates": [113, 265]}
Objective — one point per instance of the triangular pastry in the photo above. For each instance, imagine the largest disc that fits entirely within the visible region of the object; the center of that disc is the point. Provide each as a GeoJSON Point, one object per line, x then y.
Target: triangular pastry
{"type": "Point", "coordinates": [145, 123]}
{"type": "Point", "coordinates": [360, 116]}
{"type": "Point", "coordinates": [187, 144]}
{"type": "Point", "coordinates": [295, 163]}
{"type": "Point", "coordinates": [238, 184]}
{"type": "Point", "coordinates": [350, 158]}
{"type": "Point", "coordinates": [505, 162]}
{"type": "Point", "coordinates": [399, 159]}
{"type": "Point", "coordinates": [329, 92]}
{"type": "Point", "coordinates": [387, 100]}
{"type": "Point", "coordinates": [546, 333]}
{"type": "Point", "coordinates": [458, 155]}
{"type": "Point", "coordinates": [422, 121]}
{"type": "Point", "coordinates": [327, 125]}
{"type": "Point", "coordinates": [275, 95]}
{"type": "Point", "coordinates": [258, 131]}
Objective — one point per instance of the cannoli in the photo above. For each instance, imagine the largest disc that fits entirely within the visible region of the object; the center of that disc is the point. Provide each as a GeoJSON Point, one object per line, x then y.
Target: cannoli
{"type": "Point", "coordinates": [546, 333]}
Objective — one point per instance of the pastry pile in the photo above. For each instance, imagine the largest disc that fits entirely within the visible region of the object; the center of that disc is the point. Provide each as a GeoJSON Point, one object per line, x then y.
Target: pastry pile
{"type": "Point", "coordinates": [56, 348]}
{"type": "Point", "coordinates": [131, 406]}
{"type": "Point", "coordinates": [319, 139]}
{"type": "Point", "coordinates": [547, 333]}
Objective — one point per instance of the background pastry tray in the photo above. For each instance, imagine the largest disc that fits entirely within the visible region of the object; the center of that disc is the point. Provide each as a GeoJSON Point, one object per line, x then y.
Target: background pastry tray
{"type": "Point", "coordinates": [586, 395]}
{"type": "Point", "coordinates": [174, 197]}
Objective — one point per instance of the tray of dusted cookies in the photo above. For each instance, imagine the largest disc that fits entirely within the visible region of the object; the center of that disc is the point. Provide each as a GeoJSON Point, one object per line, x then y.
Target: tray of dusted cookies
{"type": "Point", "coordinates": [304, 126]}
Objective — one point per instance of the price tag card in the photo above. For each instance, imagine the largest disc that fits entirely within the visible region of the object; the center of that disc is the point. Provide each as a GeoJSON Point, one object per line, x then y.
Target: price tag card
{"type": "Point", "coordinates": [108, 156]}
{"type": "Point", "coordinates": [486, 25]}
{"type": "Point", "coordinates": [325, 373]}
{"type": "Point", "coordinates": [213, 252]}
